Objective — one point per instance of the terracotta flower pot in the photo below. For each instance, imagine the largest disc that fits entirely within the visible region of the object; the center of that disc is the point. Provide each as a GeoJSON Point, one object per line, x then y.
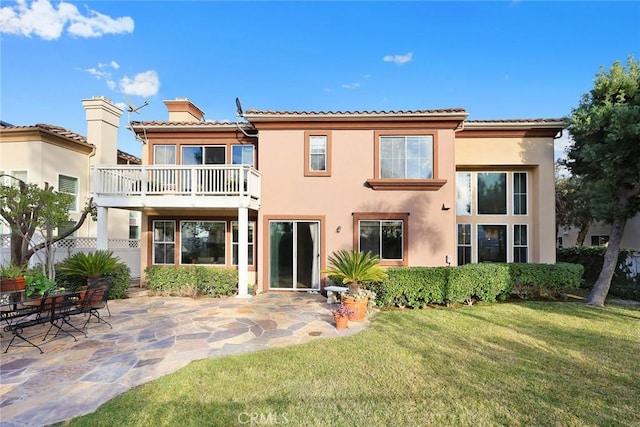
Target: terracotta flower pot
{"type": "Point", "coordinates": [357, 306]}
{"type": "Point", "coordinates": [12, 284]}
{"type": "Point", "coordinates": [342, 322]}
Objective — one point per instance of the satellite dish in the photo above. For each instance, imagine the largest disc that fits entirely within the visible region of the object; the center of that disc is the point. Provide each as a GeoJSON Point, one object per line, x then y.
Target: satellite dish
{"type": "Point", "coordinates": [131, 108]}
{"type": "Point", "coordinates": [239, 107]}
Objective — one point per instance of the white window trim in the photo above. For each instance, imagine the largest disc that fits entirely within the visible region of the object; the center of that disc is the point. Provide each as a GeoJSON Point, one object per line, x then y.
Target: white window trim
{"type": "Point", "coordinates": [182, 147]}
{"type": "Point", "coordinates": [513, 193]}
{"type": "Point", "coordinates": [253, 148]}
{"type": "Point", "coordinates": [153, 240]}
{"type": "Point", "coordinates": [513, 241]}
{"type": "Point", "coordinates": [76, 208]}
{"type": "Point", "coordinates": [401, 237]}
{"type": "Point", "coordinates": [471, 193]}
{"type": "Point", "coordinates": [175, 154]}
{"type": "Point", "coordinates": [471, 245]}
{"type": "Point", "coordinates": [252, 243]}
{"type": "Point", "coordinates": [474, 194]}
{"type": "Point", "coordinates": [226, 248]}
{"type": "Point", "coordinates": [405, 136]}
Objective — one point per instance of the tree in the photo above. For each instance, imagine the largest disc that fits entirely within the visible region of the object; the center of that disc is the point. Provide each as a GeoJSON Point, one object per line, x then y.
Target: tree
{"type": "Point", "coordinates": [606, 156]}
{"type": "Point", "coordinates": [29, 209]}
{"type": "Point", "coordinates": [572, 206]}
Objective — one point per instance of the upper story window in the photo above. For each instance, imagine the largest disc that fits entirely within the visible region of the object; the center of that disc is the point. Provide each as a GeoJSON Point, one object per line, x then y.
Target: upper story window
{"type": "Point", "coordinates": [69, 185]}
{"type": "Point", "coordinates": [406, 157]}
{"type": "Point", "coordinates": [164, 154]}
{"type": "Point", "coordinates": [242, 155]}
{"type": "Point", "coordinates": [317, 154]}
{"type": "Point", "coordinates": [492, 193]}
{"type": "Point", "coordinates": [405, 160]}
{"type": "Point", "coordinates": [8, 180]}
{"type": "Point", "coordinates": [488, 193]}
{"type": "Point", "coordinates": [197, 155]}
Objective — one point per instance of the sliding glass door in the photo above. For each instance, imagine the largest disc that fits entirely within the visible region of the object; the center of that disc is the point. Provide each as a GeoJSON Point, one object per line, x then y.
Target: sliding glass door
{"type": "Point", "coordinates": [294, 255]}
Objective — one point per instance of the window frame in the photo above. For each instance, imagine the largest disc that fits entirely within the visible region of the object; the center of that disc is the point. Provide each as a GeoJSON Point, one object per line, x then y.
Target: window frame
{"type": "Point", "coordinates": [470, 193]}
{"type": "Point", "coordinates": [384, 216]}
{"type": "Point", "coordinates": [603, 239]}
{"type": "Point", "coordinates": [154, 241]}
{"type": "Point", "coordinates": [224, 241]}
{"type": "Point", "coordinates": [507, 245]}
{"type": "Point", "coordinates": [460, 245]}
{"type": "Point", "coordinates": [307, 153]}
{"type": "Point", "coordinates": [76, 202]}
{"type": "Point", "coordinates": [476, 193]}
{"type": "Point", "coordinates": [203, 147]}
{"type": "Point", "coordinates": [394, 184]}
{"type": "Point", "coordinates": [252, 242]}
{"type": "Point", "coordinates": [525, 246]}
{"type": "Point", "coordinates": [155, 153]}
{"type": "Point", "coordinates": [242, 146]}
{"type": "Point", "coordinates": [525, 193]}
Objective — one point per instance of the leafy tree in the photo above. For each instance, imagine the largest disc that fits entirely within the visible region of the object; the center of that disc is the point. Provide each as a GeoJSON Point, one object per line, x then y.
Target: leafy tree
{"type": "Point", "coordinates": [29, 209]}
{"type": "Point", "coordinates": [606, 156]}
{"type": "Point", "coordinates": [572, 206]}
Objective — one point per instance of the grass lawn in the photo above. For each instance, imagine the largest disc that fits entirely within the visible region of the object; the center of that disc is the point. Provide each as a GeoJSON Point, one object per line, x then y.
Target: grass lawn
{"type": "Point", "coordinates": [514, 364]}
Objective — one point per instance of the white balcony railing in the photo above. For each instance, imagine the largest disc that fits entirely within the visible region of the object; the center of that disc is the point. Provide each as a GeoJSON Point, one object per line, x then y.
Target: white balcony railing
{"type": "Point", "coordinates": [150, 181]}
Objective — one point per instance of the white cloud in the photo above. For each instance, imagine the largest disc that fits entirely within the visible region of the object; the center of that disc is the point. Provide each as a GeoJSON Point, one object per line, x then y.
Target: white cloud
{"type": "Point", "coordinates": [41, 19]}
{"type": "Point", "coordinates": [355, 85]}
{"type": "Point", "coordinates": [562, 145]}
{"type": "Point", "coordinates": [399, 59]}
{"type": "Point", "coordinates": [142, 84]}
{"type": "Point", "coordinates": [114, 65]}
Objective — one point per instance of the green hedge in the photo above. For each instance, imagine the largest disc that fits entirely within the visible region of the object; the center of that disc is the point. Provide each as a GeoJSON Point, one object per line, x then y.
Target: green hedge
{"type": "Point", "coordinates": [592, 257]}
{"type": "Point", "coordinates": [121, 279]}
{"type": "Point", "coordinates": [185, 280]}
{"type": "Point", "coordinates": [416, 287]}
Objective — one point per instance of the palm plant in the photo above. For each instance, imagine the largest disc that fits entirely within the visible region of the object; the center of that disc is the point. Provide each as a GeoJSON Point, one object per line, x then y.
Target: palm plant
{"type": "Point", "coordinates": [92, 265]}
{"type": "Point", "coordinates": [353, 268]}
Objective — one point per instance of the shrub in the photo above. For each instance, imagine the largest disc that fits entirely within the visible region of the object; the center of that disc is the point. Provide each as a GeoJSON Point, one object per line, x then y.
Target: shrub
{"type": "Point", "coordinates": [544, 280]}
{"type": "Point", "coordinates": [90, 265]}
{"type": "Point", "coordinates": [121, 280]}
{"type": "Point", "coordinates": [184, 280]}
{"type": "Point", "coordinates": [413, 287]}
{"type": "Point", "coordinates": [591, 258]}
{"type": "Point", "coordinates": [485, 281]}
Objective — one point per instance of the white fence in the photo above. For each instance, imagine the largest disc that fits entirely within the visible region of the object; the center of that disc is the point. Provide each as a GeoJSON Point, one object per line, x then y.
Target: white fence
{"type": "Point", "coordinates": [128, 250]}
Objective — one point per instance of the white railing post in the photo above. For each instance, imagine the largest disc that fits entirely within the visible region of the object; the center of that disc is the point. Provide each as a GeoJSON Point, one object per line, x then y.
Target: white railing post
{"type": "Point", "coordinates": [103, 228]}
{"type": "Point", "coordinates": [243, 255]}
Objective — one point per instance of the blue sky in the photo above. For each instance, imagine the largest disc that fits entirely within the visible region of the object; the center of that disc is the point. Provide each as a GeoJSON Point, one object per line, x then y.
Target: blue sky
{"type": "Point", "coordinates": [498, 60]}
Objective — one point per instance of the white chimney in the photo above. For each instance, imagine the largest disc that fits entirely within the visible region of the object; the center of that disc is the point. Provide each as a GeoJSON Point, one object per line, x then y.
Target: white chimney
{"type": "Point", "coordinates": [103, 118]}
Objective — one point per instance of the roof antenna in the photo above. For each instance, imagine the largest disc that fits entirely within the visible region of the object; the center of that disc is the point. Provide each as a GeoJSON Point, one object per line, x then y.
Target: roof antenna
{"type": "Point", "coordinates": [240, 113]}
{"type": "Point", "coordinates": [132, 109]}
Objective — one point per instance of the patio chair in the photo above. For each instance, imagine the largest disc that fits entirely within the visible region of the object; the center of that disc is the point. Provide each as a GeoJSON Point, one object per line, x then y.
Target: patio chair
{"type": "Point", "coordinates": [23, 318]}
{"type": "Point", "coordinates": [95, 299]}
{"type": "Point", "coordinates": [63, 306]}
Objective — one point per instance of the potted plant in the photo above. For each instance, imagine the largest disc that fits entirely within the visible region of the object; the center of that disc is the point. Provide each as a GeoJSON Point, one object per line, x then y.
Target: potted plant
{"type": "Point", "coordinates": [341, 315]}
{"type": "Point", "coordinates": [352, 269]}
{"type": "Point", "coordinates": [11, 278]}
{"type": "Point", "coordinates": [38, 285]}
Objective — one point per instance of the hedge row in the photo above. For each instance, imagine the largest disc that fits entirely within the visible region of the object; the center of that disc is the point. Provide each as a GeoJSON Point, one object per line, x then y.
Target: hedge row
{"type": "Point", "coordinates": [592, 257]}
{"type": "Point", "coordinates": [416, 287]}
{"type": "Point", "coordinates": [192, 280]}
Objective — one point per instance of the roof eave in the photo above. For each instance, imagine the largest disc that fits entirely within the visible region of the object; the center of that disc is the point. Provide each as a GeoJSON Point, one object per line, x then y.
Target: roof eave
{"type": "Point", "coordinates": [337, 117]}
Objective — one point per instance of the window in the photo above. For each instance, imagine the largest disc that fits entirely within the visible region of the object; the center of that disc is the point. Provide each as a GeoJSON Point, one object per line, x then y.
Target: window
{"type": "Point", "coordinates": [599, 240]}
{"type": "Point", "coordinates": [519, 193]}
{"type": "Point", "coordinates": [8, 180]}
{"type": "Point", "coordinates": [164, 242]}
{"type": "Point", "coordinates": [464, 244]}
{"type": "Point", "coordinates": [134, 225]}
{"type": "Point", "coordinates": [492, 243]}
{"type": "Point", "coordinates": [492, 193]}
{"type": "Point", "coordinates": [195, 155]}
{"type": "Point", "coordinates": [317, 154]}
{"type": "Point", "coordinates": [66, 227]}
{"type": "Point", "coordinates": [69, 185]}
{"type": "Point", "coordinates": [384, 235]}
{"type": "Point", "coordinates": [203, 242]}
{"type": "Point", "coordinates": [164, 155]}
{"type": "Point", "coordinates": [234, 241]}
{"type": "Point", "coordinates": [463, 193]}
{"type": "Point", "coordinates": [406, 157]}
{"type": "Point", "coordinates": [520, 243]}
{"type": "Point", "coordinates": [242, 154]}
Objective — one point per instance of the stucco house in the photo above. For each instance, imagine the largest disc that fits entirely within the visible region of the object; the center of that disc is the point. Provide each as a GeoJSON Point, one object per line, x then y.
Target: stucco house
{"type": "Point", "coordinates": [46, 153]}
{"type": "Point", "coordinates": [277, 192]}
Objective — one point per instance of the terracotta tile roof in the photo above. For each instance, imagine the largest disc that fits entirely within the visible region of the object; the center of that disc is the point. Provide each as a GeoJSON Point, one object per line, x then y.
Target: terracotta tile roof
{"type": "Point", "coordinates": [66, 133]}
{"type": "Point", "coordinates": [56, 130]}
{"type": "Point", "coordinates": [180, 124]}
{"type": "Point", "coordinates": [382, 113]}
{"type": "Point", "coordinates": [517, 121]}
{"type": "Point", "coordinates": [129, 157]}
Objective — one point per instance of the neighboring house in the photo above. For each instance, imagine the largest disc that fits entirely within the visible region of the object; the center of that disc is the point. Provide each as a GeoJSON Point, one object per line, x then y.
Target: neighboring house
{"type": "Point", "coordinates": [276, 194]}
{"type": "Point", "coordinates": [598, 234]}
{"type": "Point", "coordinates": [46, 153]}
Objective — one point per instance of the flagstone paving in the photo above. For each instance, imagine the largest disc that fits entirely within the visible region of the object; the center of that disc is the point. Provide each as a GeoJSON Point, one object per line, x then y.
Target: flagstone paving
{"type": "Point", "coordinates": [152, 336]}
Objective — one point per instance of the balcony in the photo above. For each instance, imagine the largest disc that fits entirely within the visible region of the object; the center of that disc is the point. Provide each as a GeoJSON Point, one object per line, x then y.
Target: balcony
{"type": "Point", "coordinates": [176, 186]}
